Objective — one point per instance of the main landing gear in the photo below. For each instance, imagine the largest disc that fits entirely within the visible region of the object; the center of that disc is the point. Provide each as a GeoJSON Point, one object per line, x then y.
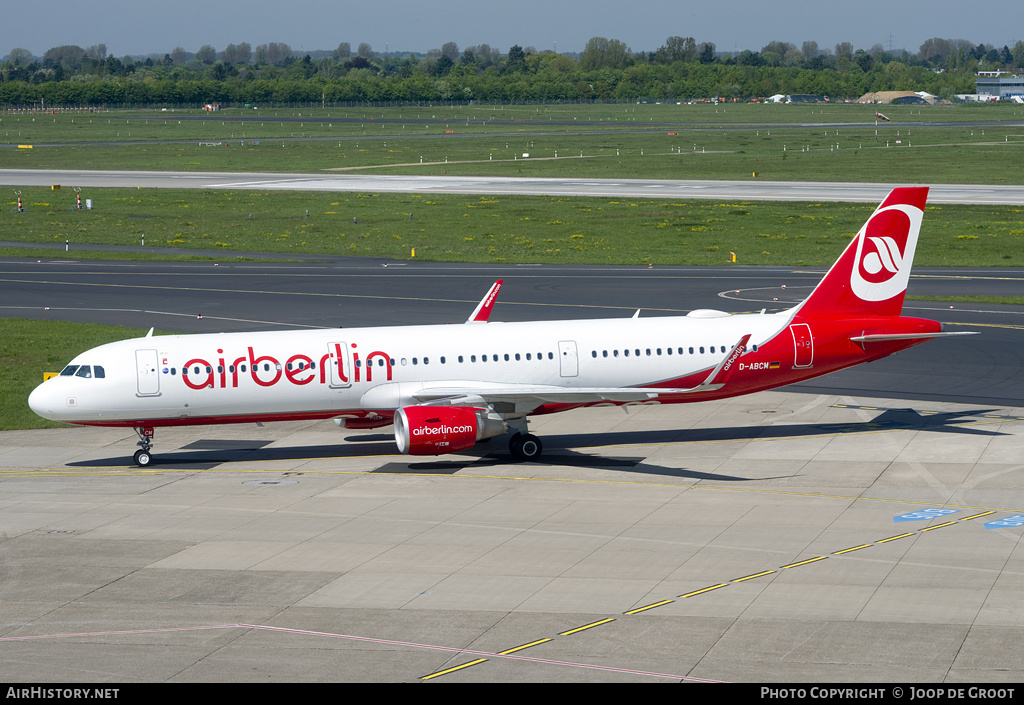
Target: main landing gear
{"type": "Point", "coordinates": [144, 457]}
{"type": "Point", "coordinates": [525, 447]}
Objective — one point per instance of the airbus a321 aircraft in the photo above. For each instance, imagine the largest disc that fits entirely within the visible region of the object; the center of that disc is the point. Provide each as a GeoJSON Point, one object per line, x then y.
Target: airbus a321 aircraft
{"type": "Point", "coordinates": [447, 387]}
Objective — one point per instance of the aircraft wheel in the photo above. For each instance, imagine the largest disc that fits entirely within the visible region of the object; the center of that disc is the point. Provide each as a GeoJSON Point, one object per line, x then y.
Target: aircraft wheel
{"type": "Point", "coordinates": [513, 446]}
{"type": "Point", "coordinates": [530, 447]}
{"type": "Point", "coordinates": [525, 447]}
{"type": "Point", "coordinates": [143, 458]}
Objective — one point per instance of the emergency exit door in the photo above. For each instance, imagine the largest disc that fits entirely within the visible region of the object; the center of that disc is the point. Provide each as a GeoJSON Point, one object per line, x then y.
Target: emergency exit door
{"type": "Point", "coordinates": [148, 373]}
{"type": "Point", "coordinates": [567, 360]}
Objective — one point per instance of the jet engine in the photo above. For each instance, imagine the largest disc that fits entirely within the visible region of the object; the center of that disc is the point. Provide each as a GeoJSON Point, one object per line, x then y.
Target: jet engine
{"type": "Point", "coordinates": [435, 430]}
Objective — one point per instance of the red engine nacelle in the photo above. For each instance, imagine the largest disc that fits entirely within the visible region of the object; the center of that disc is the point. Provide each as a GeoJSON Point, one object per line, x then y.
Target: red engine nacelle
{"type": "Point", "coordinates": [435, 430]}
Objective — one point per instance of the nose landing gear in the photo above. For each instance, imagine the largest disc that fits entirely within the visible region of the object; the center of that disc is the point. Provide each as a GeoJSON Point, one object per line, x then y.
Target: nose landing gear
{"type": "Point", "coordinates": [144, 457]}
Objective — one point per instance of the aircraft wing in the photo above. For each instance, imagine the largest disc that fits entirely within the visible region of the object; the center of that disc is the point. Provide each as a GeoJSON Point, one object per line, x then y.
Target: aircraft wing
{"type": "Point", "coordinates": [523, 398]}
{"type": "Point", "coordinates": [530, 396]}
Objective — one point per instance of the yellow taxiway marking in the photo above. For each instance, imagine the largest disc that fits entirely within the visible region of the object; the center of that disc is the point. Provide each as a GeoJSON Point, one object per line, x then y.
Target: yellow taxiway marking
{"type": "Point", "coordinates": [703, 590]}
{"type": "Point", "coordinates": [393, 271]}
{"type": "Point", "coordinates": [587, 626]}
{"type": "Point", "coordinates": [751, 577]}
{"type": "Point", "coordinates": [855, 548]}
{"type": "Point", "coordinates": [809, 560]}
{"type": "Point", "coordinates": [335, 295]}
{"type": "Point", "coordinates": [222, 469]}
{"type": "Point", "coordinates": [85, 472]}
{"type": "Point", "coordinates": [984, 325]}
{"type": "Point", "coordinates": [452, 670]}
{"type": "Point", "coordinates": [976, 516]}
{"type": "Point", "coordinates": [649, 607]}
{"type": "Point", "coordinates": [514, 649]}
{"type": "Point", "coordinates": [937, 526]}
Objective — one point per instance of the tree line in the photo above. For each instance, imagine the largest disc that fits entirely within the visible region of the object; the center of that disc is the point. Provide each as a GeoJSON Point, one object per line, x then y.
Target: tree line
{"type": "Point", "coordinates": [681, 69]}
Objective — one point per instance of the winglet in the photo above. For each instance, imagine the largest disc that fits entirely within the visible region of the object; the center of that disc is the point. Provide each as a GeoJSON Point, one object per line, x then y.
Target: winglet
{"type": "Point", "coordinates": [482, 312]}
{"type": "Point", "coordinates": [720, 375]}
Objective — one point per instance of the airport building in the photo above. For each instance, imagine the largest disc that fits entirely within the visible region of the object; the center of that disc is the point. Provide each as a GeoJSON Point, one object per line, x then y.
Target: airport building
{"type": "Point", "coordinates": [996, 85]}
{"type": "Point", "coordinates": [899, 98]}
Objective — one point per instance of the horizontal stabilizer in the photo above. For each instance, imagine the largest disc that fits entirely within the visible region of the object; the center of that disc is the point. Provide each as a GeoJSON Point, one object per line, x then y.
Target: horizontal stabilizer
{"type": "Point", "coordinates": [881, 337]}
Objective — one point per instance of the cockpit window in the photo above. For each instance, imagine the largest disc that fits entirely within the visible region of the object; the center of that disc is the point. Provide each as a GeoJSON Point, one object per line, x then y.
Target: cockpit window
{"type": "Point", "coordinates": [84, 371]}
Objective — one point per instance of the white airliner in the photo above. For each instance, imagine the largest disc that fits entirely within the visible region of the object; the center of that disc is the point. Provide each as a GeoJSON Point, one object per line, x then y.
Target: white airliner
{"type": "Point", "coordinates": [447, 387]}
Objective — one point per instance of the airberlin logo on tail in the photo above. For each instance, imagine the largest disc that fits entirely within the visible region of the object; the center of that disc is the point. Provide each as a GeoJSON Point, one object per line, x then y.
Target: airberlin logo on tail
{"type": "Point", "coordinates": [887, 256]}
{"type": "Point", "coordinates": [885, 252]}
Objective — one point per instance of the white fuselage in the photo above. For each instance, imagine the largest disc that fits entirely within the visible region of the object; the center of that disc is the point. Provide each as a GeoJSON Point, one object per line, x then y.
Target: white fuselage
{"type": "Point", "coordinates": [228, 377]}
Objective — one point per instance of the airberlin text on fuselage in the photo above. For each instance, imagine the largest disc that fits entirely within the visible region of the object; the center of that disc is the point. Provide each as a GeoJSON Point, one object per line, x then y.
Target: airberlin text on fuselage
{"type": "Point", "coordinates": [267, 370]}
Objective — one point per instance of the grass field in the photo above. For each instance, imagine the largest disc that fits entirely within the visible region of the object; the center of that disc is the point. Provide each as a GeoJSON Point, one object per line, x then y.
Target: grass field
{"type": "Point", "coordinates": [513, 229]}
{"type": "Point", "coordinates": [779, 142]}
{"type": "Point", "coordinates": [153, 124]}
{"type": "Point", "coordinates": [30, 348]}
{"type": "Point", "coordinates": [791, 142]}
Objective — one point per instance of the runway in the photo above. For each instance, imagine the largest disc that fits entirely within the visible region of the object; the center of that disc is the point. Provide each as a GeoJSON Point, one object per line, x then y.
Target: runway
{"type": "Point", "coordinates": [634, 188]}
{"type": "Point", "coordinates": [860, 530]}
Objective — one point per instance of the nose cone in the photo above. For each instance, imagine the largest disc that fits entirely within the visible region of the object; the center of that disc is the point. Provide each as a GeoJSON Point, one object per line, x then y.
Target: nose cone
{"type": "Point", "coordinates": [42, 400]}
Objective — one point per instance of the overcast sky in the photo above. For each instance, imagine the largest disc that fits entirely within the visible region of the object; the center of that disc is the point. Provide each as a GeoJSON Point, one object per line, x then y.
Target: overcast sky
{"type": "Point", "coordinates": [134, 27]}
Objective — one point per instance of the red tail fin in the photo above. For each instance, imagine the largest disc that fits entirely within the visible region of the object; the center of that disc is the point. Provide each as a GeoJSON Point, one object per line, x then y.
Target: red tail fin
{"type": "Point", "coordinates": [870, 277]}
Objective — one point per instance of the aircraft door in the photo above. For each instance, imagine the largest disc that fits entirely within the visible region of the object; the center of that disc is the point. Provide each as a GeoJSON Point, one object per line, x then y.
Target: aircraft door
{"type": "Point", "coordinates": [568, 362]}
{"type": "Point", "coordinates": [803, 345]}
{"type": "Point", "coordinates": [146, 365]}
{"type": "Point", "coordinates": [339, 365]}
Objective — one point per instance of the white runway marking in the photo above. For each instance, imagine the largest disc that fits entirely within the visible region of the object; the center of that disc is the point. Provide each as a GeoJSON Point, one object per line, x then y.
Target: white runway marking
{"type": "Point", "coordinates": [389, 642]}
